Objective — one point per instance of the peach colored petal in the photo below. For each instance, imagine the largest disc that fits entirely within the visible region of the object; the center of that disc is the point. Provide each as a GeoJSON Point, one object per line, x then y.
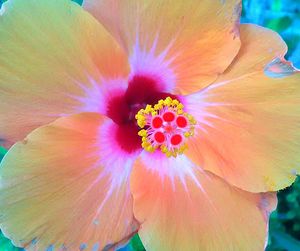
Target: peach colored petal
{"type": "Point", "coordinates": [51, 54]}
{"type": "Point", "coordinates": [259, 47]}
{"type": "Point", "coordinates": [249, 119]}
{"type": "Point", "coordinates": [201, 213]}
{"type": "Point", "coordinates": [60, 187]}
{"type": "Point", "coordinates": [199, 39]}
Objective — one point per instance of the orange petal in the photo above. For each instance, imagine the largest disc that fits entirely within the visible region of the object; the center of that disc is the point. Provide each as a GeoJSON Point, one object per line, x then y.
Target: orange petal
{"type": "Point", "coordinates": [259, 47]}
{"type": "Point", "coordinates": [50, 52]}
{"type": "Point", "coordinates": [201, 38]}
{"type": "Point", "coordinates": [248, 122]}
{"type": "Point", "coordinates": [199, 212]}
{"type": "Point", "coordinates": [62, 187]}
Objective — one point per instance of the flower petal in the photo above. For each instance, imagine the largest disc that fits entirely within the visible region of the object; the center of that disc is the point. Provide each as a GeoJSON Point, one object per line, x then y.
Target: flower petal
{"type": "Point", "coordinates": [201, 213]}
{"type": "Point", "coordinates": [198, 39]}
{"type": "Point", "coordinates": [65, 187]}
{"type": "Point", "coordinates": [249, 119]}
{"type": "Point", "coordinates": [51, 54]}
{"type": "Point", "coordinates": [259, 47]}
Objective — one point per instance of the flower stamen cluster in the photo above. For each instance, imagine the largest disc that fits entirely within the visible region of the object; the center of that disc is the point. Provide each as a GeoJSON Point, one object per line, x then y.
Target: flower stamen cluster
{"type": "Point", "coordinates": [165, 126]}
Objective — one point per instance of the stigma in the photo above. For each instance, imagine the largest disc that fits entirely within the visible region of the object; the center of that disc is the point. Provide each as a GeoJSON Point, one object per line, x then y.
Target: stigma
{"type": "Point", "coordinates": [165, 127]}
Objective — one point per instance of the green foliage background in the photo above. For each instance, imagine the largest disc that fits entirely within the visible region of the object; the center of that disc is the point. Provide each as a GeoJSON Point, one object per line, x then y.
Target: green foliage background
{"type": "Point", "coordinates": [282, 16]}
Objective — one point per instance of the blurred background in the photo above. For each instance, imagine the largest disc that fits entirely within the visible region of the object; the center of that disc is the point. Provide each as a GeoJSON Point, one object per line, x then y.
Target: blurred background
{"type": "Point", "coordinates": [282, 16]}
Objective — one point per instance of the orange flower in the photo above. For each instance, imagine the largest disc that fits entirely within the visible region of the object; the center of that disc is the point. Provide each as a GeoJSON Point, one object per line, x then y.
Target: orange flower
{"type": "Point", "coordinates": [166, 118]}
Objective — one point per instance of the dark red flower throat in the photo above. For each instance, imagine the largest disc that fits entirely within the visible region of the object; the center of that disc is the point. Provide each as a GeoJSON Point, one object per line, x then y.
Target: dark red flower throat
{"type": "Point", "coordinates": [141, 91]}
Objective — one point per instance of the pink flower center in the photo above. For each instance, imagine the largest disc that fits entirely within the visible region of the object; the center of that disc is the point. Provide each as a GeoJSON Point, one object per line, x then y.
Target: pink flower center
{"type": "Point", "coordinates": [165, 126]}
{"type": "Point", "coordinates": [142, 90]}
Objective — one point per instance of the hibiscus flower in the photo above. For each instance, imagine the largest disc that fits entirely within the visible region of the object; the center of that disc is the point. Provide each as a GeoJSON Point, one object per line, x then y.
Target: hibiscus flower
{"type": "Point", "coordinates": [166, 118]}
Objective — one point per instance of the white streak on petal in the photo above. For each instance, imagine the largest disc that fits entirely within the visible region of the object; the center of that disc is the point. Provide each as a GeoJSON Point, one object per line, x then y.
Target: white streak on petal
{"type": "Point", "coordinates": [146, 61]}
{"type": "Point", "coordinates": [171, 168]}
{"type": "Point", "coordinates": [116, 161]}
{"type": "Point", "coordinates": [97, 94]}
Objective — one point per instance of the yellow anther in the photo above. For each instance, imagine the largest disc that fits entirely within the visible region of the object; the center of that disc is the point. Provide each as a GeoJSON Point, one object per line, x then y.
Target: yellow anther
{"type": "Point", "coordinates": [189, 116]}
{"type": "Point", "coordinates": [160, 102]}
{"type": "Point", "coordinates": [141, 117]}
{"type": "Point", "coordinates": [179, 112]}
{"type": "Point", "coordinates": [146, 144]}
{"type": "Point", "coordinates": [180, 106]}
{"type": "Point", "coordinates": [141, 124]}
{"type": "Point", "coordinates": [182, 149]}
{"type": "Point", "coordinates": [164, 149]}
{"type": "Point", "coordinates": [187, 134]}
{"type": "Point", "coordinates": [175, 102]}
{"type": "Point", "coordinates": [150, 149]}
{"type": "Point", "coordinates": [148, 109]}
{"type": "Point", "coordinates": [191, 119]}
{"type": "Point", "coordinates": [142, 133]}
{"type": "Point", "coordinates": [168, 101]}
{"type": "Point", "coordinates": [168, 154]}
{"type": "Point", "coordinates": [158, 107]}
